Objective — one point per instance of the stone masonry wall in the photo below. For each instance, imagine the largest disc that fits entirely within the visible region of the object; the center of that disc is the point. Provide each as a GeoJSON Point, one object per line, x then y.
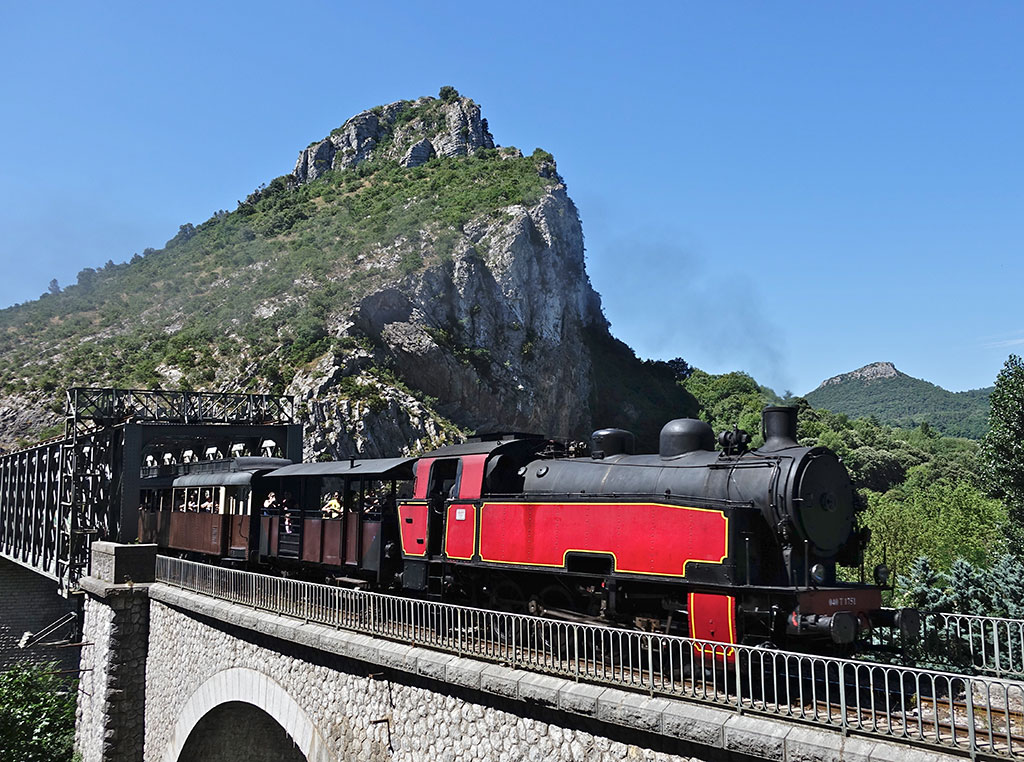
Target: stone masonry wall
{"type": "Point", "coordinates": [112, 697]}
{"type": "Point", "coordinates": [346, 701]}
{"type": "Point", "coordinates": [28, 603]}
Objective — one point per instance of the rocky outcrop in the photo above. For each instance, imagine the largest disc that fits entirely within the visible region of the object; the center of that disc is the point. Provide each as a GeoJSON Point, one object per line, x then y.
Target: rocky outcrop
{"type": "Point", "coordinates": [497, 336]}
{"type": "Point", "coordinates": [25, 417]}
{"type": "Point", "coordinates": [872, 372]}
{"type": "Point", "coordinates": [409, 132]}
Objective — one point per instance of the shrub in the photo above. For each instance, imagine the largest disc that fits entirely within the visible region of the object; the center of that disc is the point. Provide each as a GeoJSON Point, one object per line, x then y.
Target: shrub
{"type": "Point", "coordinates": [37, 714]}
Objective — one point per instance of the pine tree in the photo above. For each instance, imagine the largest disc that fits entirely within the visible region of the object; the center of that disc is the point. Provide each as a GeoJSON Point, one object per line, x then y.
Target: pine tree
{"type": "Point", "coordinates": [1002, 449]}
{"type": "Point", "coordinates": [966, 593]}
{"type": "Point", "coordinates": [925, 588]}
{"type": "Point", "coordinates": [1005, 583]}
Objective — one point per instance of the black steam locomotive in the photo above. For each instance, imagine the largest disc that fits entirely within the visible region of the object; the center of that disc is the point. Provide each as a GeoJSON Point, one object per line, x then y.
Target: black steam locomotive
{"type": "Point", "coordinates": [731, 545]}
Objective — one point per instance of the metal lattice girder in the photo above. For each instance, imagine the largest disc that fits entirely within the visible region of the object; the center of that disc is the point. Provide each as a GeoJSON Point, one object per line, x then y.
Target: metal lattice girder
{"type": "Point", "coordinates": [87, 408]}
{"type": "Point", "coordinates": [55, 499]}
{"type": "Point", "coordinates": [30, 507]}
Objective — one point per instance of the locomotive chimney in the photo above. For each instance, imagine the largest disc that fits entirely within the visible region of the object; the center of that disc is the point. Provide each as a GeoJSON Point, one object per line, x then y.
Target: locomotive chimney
{"type": "Point", "coordinates": [778, 424]}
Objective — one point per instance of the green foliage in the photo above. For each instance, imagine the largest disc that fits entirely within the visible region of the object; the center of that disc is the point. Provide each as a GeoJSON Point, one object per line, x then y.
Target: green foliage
{"type": "Point", "coordinates": [1002, 449]}
{"type": "Point", "coordinates": [251, 292]}
{"type": "Point", "coordinates": [448, 94]}
{"type": "Point", "coordinates": [37, 714]}
{"type": "Point", "coordinates": [966, 588]}
{"type": "Point", "coordinates": [907, 402]}
{"type": "Point", "coordinates": [729, 399]}
{"type": "Point", "coordinates": [967, 593]}
{"type": "Point", "coordinates": [942, 521]}
{"type": "Point", "coordinates": [923, 587]}
{"type": "Point", "coordinates": [1006, 592]}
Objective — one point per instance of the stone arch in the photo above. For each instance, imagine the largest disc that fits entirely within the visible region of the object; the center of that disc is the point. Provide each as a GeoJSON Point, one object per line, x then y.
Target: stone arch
{"type": "Point", "coordinates": [247, 686]}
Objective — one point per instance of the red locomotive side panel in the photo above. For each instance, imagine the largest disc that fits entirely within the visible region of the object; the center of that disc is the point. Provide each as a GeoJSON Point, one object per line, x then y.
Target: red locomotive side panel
{"type": "Point", "coordinates": [460, 531]}
{"type": "Point", "coordinates": [471, 483]}
{"type": "Point", "coordinates": [412, 519]}
{"type": "Point", "coordinates": [422, 478]}
{"type": "Point", "coordinates": [643, 538]}
{"type": "Point", "coordinates": [712, 617]}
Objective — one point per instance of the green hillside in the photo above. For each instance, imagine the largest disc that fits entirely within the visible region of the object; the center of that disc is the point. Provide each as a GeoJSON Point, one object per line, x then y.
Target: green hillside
{"type": "Point", "coordinates": [896, 399]}
{"type": "Point", "coordinates": [195, 305]}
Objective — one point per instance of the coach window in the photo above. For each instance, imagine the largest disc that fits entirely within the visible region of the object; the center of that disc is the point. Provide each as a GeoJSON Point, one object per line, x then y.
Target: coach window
{"type": "Point", "coordinates": [352, 500]}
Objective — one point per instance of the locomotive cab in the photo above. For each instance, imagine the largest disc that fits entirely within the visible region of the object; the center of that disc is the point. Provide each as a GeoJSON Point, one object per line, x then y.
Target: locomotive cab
{"type": "Point", "coordinates": [439, 523]}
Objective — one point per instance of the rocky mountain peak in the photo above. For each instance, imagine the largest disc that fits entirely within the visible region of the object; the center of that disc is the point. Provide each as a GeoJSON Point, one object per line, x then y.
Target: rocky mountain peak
{"type": "Point", "coordinates": [872, 372]}
{"type": "Point", "coordinates": [409, 132]}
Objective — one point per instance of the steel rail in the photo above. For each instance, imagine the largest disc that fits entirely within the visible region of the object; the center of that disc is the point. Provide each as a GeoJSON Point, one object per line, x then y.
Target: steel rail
{"type": "Point", "coordinates": [976, 715]}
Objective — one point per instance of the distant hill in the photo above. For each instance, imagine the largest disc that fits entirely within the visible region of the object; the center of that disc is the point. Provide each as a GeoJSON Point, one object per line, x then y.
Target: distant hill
{"type": "Point", "coordinates": [895, 398]}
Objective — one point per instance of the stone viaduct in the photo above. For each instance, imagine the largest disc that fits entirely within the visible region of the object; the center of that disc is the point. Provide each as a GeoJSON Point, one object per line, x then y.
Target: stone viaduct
{"type": "Point", "coordinates": [171, 675]}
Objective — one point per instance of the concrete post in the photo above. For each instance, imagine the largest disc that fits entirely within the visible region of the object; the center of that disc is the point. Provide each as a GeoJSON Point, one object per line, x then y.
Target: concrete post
{"type": "Point", "coordinates": [110, 722]}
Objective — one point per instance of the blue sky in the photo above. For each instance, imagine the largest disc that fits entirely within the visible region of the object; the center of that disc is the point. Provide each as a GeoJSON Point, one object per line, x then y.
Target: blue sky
{"type": "Point", "coordinates": [793, 189]}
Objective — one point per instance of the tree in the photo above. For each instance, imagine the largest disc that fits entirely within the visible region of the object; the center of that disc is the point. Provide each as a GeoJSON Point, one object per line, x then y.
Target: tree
{"type": "Point", "coordinates": [941, 521]}
{"type": "Point", "coordinates": [448, 94]}
{"type": "Point", "coordinates": [967, 593]}
{"type": "Point", "coordinates": [922, 587]}
{"type": "Point", "coordinates": [54, 287]}
{"type": "Point", "coordinates": [1002, 448]}
{"type": "Point", "coordinates": [680, 368]}
{"type": "Point", "coordinates": [37, 714]}
{"type": "Point", "coordinates": [1004, 587]}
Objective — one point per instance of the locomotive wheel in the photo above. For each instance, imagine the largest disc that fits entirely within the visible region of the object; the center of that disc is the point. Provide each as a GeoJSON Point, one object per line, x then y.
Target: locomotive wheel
{"type": "Point", "coordinates": [506, 595]}
{"type": "Point", "coordinates": [557, 637]}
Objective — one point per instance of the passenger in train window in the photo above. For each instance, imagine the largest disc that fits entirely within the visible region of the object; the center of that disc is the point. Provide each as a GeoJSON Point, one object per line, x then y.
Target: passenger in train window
{"type": "Point", "coordinates": [207, 506]}
{"type": "Point", "coordinates": [332, 506]}
{"type": "Point", "coordinates": [270, 505]}
{"type": "Point", "coordinates": [286, 510]}
{"type": "Point", "coordinates": [375, 501]}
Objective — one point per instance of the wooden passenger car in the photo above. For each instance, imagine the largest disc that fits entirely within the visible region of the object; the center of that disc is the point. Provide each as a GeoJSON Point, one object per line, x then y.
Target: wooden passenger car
{"type": "Point", "coordinates": [220, 508]}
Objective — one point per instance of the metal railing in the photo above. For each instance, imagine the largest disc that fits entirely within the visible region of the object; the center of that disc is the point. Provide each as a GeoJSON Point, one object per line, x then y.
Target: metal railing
{"type": "Point", "coordinates": [981, 644]}
{"type": "Point", "coordinates": [972, 714]}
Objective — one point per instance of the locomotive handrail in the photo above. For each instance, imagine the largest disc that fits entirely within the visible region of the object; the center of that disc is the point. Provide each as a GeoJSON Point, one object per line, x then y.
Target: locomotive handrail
{"type": "Point", "coordinates": [976, 715]}
{"type": "Point", "coordinates": [590, 497]}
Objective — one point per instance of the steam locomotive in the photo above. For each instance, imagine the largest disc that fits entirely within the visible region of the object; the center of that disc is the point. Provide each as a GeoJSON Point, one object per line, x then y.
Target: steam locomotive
{"type": "Point", "coordinates": [731, 545]}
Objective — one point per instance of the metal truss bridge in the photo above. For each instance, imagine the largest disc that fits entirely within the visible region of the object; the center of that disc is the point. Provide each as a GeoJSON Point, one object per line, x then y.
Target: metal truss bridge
{"type": "Point", "coordinates": [59, 496]}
